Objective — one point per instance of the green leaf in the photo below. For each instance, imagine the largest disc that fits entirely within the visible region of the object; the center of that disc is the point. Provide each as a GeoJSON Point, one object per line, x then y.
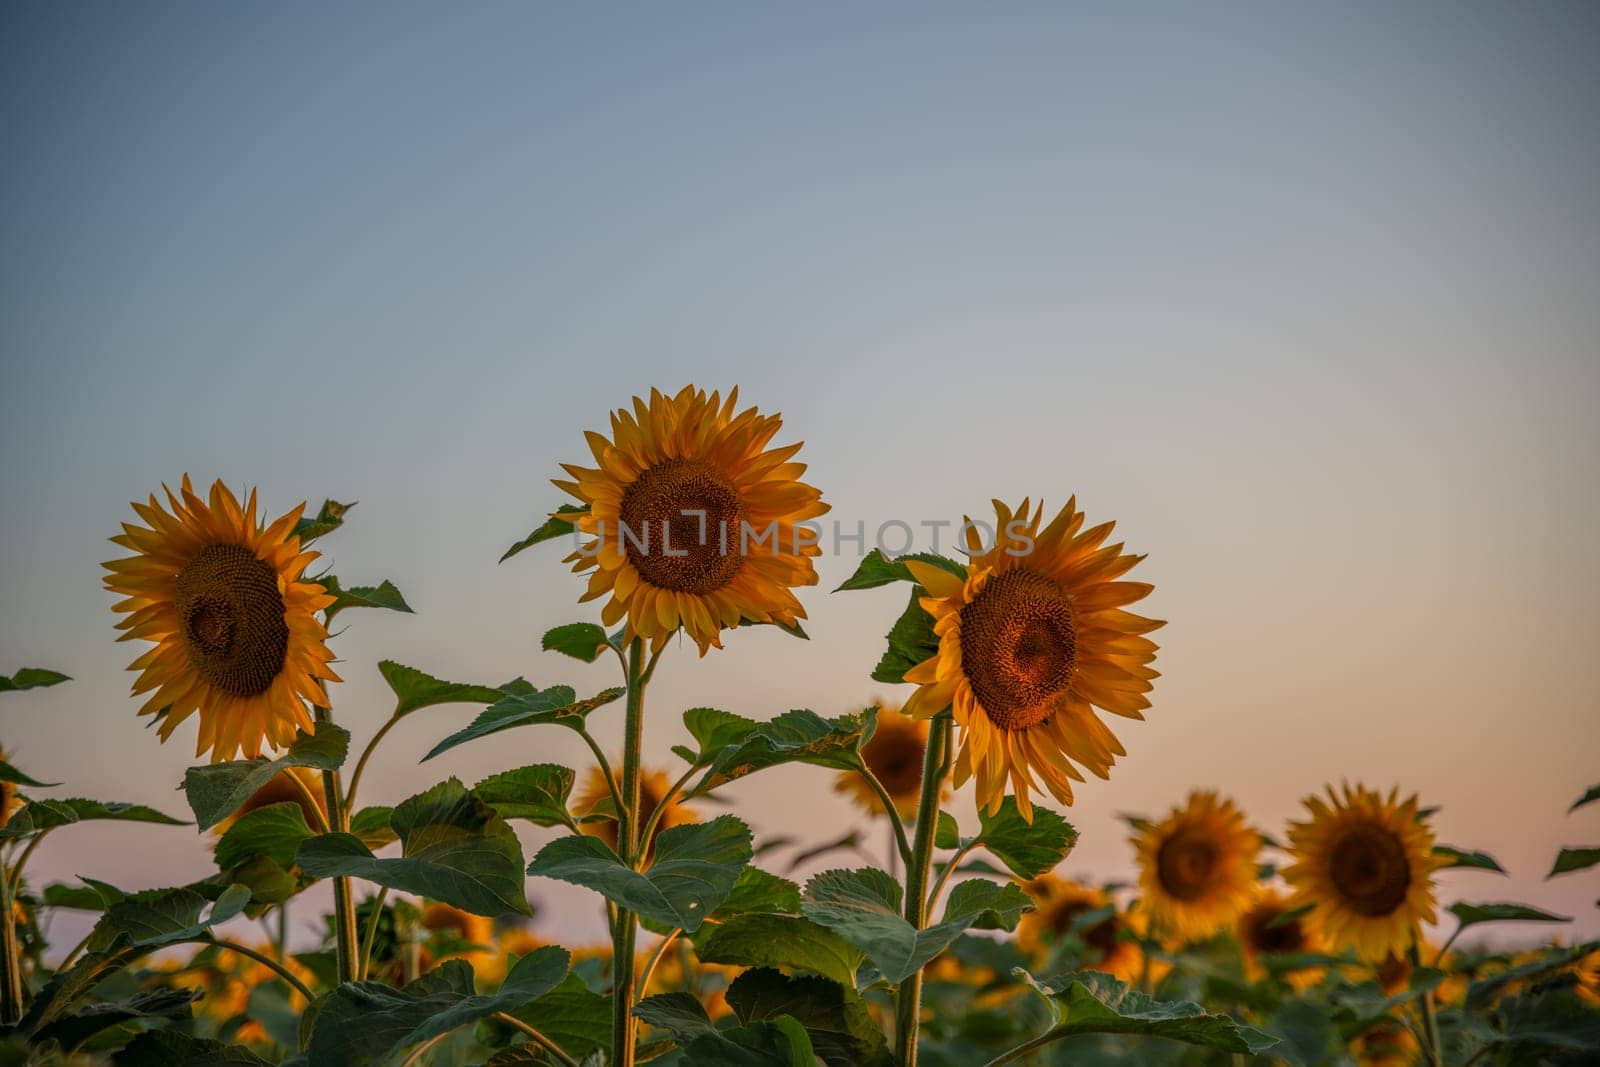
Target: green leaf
{"type": "Point", "coordinates": [580, 640]}
{"type": "Point", "coordinates": [715, 731]}
{"type": "Point", "coordinates": [383, 595]}
{"type": "Point", "coordinates": [1556, 959]}
{"type": "Point", "coordinates": [371, 825]}
{"type": "Point", "coordinates": [758, 891]}
{"type": "Point", "coordinates": [1574, 859]}
{"type": "Point", "coordinates": [274, 831]}
{"type": "Point", "coordinates": [174, 1048]}
{"type": "Point", "coordinates": [558, 705]}
{"type": "Point", "coordinates": [911, 641]}
{"type": "Point", "coordinates": [153, 1006]}
{"type": "Point", "coordinates": [1455, 857]}
{"type": "Point", "coordinates": [877, 569]}
{"type": "Point", "coordinates": [757, 940]}
{"type": "Point", "coordinates": [1473, 914]}
{"type": "Point", "coordinates": [1088, 1002]}
{"type": "Point", "coordinates": [863, 907]}
{"type": "Point", "coordinates": [572, 1015]}
{"type": "Point", "coordinates": [164, 916]}
{"type": "Point", "coordinates": [553, 527]}
{"type": "Point", "coordinates": [798, 736]}
{"type": "Point", "coordinates": [841, 1029]}
{"type": "Point", "coordinates": [328, 519]}
{"type": "Point", "coordinates": [217, 790]}
{"type": "Point", "coordinates": [8, 773]}
{"type": "Point", "coordinates": [1589, 797]}
{"type": "Point", "coordinates": [947, 833]}
{"type": "Point", "coordinates": [454, 848]}
{"type": "Point", "coordinates": [679, 1014]}
{"type": "Point", "coordinates": [780, 1042]}
{"type": "Point", "coordinates": [414, 690]}
{"type": "Point", "coordinates": [31, 678]}
{"type": "Point", "coordinates": [40, 815]}
{"type": "Point", "coordinates": [76, 897]}
{"type": "Point", "coordinates": [1028, 849]}
{"type": "Point", "coordinates": [364, 1022]}
{"type": "Point", "coordinates": [693, 872]}
{"type": "Point", "coordinates": [537, 793]}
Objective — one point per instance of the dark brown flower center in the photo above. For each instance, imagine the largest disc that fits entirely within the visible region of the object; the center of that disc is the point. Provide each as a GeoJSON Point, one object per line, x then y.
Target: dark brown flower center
{"type": "Point", "coordinates": [1369, 869]}
{"type": "Point", "coordinates": [1268, 939]}
{"type": "Point", "coordinates": [895, 756]}
{"type": "Point", "coordinates": [231, 614]}
{"type": "Point", "coordinates": [1018, 647]}
{"type": "Point", "coordinates": [1186, 864]}
{"type": "Point", "coordinates": [681, 527]}
{"type": "Point", "coordinates": [1101, 936]}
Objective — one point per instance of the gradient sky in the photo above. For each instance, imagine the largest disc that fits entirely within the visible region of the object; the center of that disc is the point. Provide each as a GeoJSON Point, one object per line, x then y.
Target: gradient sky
{"type": "Point", "coordinates": [1307, 298]}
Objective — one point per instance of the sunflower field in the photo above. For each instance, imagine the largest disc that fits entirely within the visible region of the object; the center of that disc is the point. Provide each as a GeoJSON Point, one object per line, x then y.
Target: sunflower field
{"type": "Point", "coordinates": [1324, 941]}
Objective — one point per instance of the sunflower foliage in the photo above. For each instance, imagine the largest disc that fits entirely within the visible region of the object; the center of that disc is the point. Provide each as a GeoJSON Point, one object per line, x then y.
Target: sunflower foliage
{"type": "Point", "coordinates": [338, 928]}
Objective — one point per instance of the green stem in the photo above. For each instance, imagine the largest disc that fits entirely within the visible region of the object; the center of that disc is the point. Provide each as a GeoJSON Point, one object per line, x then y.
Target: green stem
{"type": "Point", "coordinates": [266, 961]}
{"type": "Point", "coordinates": [366, 754]}
{"type": "Point", "coordinates": [949, 869]}
{"type": "Point", "coordinates": [647, 835]}
{"type": "Point", "coordinates": [11, 968]}
{"type": "Point", "coordinates": [344, 911]}
{"type": "Point", "coordinates": [935, 764]}
{"type": "Point", "coordinates": [22, 861]}
{"type": "Point", "coordinates": [1027, 1046]}
{"type": "Point", "coordinates": [372, 931]}
{"type": "Point", "coordinates": [895, 822]}
{"type": "Point", "coordinates": [655, 958]}
{"type": "Point", "coordinates": [539, 1039]}
{"type": "Point", "coordinates": [1430, 1022]}
{"type": "Point", "coordinates": [624, 1027]}
{"type": "Point", "coordinates": [611, 781]}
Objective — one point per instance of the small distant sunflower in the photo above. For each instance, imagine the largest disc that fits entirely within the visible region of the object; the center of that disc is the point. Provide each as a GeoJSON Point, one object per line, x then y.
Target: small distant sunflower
{"type": "Point", "coordinates": [653, 786]}
{"type": "Point", "coordinates": [10, 802]}
{"type": "Point", "coordinates": [281, 788]}
{"type": "Point", "coordinates": [235, 628]}
{"type": "Point", "coordinates": [1032, 638]}
{"type": "Point", "coordinates": [894, 755]}
{"type": "Point", "coordinates": [1197, 867]}
{"type": "Point", "coordinates": [1389, 1044]}
{"type": "Point", "coordinates": [1367, 864]}
{"type": "Point", "coordinates": [1263, 933]}
{"type": "Point", "coordinates": [693, 519]}
{"type": "Point", "coordinates": [1058, 905]}
{"type": "Point", "coordinates": [453, 923]}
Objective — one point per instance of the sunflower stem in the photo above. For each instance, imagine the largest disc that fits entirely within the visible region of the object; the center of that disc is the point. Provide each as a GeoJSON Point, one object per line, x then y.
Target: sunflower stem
{"type": "Point", "coordinates": [266, 961]}
{"type": "Point", "coordinates": [1430, 1021]}
{"type": "Point", "coordinates": [11, 1003]}
{"type": "Point", "coordinates": [935, 764]}
{"type": "Point", "coordinates": [344, 911]}
{"type": "Point", "coordinates": [624, 1028]}
{"type": "Point", "coordinates": [897, 826]}
{"type": "Point", "coordinates": [372, 932]}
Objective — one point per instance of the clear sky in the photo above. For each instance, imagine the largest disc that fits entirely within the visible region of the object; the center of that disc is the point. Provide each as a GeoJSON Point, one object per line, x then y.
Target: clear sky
{"type": "Point", "coordinates": [1306, 297]}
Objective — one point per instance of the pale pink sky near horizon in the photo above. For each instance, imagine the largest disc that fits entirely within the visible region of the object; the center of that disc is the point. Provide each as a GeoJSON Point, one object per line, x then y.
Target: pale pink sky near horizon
{"type": "Point", "coordinates": [1305, 298]}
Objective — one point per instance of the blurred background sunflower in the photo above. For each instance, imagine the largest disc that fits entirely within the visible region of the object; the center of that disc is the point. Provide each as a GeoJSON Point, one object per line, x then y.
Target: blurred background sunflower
{"type": "Point", "coordinates": [594, 809]}
{"type": "Point", "coordinates": [894, 756]}
{"type": "Point", "coordinates": [1197, 867]}
{"type": "Point", "coordinates": [236, 633]}
{"type": "Point", "coordinates": [1083, 925]}
{"type": "Point", "coordinates": [1269, 928]}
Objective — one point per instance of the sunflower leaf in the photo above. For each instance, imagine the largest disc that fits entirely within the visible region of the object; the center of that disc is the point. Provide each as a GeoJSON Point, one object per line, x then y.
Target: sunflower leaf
{"type": "Point", "coordinates": [1088, 1002]}
{"type": "Point", "coordinates": [453, 847]}
{"type": "Point", "coordinates": [780, 1042]}
{"type": "Point", "coordinates": [573, 1016]}
{"type": "Point", "coordinates": [863, 907]}
{"type": "Point", "coordinates": [1455, 857]}
{"type": "Point", "coordinates": [947, 832]}
{"type": "Point", "coordinates": [31, 678]}
{"type": "Point", "coordinates": [580, 640]}
{"type": "Point", "coordinates": [1555, 959]}
{"type": "Point", "coordinates": [154, 1005]}
{"type": "Point", "coordinates": [1574, 859]}
{"type": "Point", "coordinates": [911, 642]}
{"type": "Point", "coordinates": [837, 1020]}
{"type": "Point", "coordinates": [274, 831]}
{"type": "Point", "coordinates": [1473, 914]}
{"type": "Point", "coordinates": [383, 595]}
{"type": "Point", "coordinates": [878, 569]}
{"type": "Point", "coordinates": [40, 815]}
{"type": "Point", "coordinates": [217, 790]}
{"type": "Point", "coordinates": [555, 526]}
{"type": "Point", "coordinates": [694, 870]}
{"type": "Point", "coordinates": [174, 1048]}
{"type": "Point", "coordinates": [797, 736]}
{"type": "Point", "coordinates": [537, 793]}
{"type": "Point", "coordinates": [715, 731]}
{"type": "Point", "coordinates": [1589, 797]}
{"type": "Point", "coordinates": [329, 518]}
{"type": "Point", "coordinates": [1028, 849]}
{"type": "Point", "coordinates": [371, 825]}
{"type": "Point", "coordinates": [362, 1023]}
{"type": "Point", "coordinates": [679, 1014]}
{"type": "Point", "coordinates": [760, 940]}
{"type": "Point", "coordinates": [415, 690]}
{"type": "Point", "coordinates": [8, 773]}
{"type": "Point", "coordinates": [558, 704]}
{"type": "Point", "coordinates": [164, 916]}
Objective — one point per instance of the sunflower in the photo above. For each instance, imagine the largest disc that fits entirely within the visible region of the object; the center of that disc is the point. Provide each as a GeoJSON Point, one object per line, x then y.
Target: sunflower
{"type": "Point", "coordinates": [236, 634]}
{"type": "Point", "coordinates": [291, 785]}
{"type": "Point", "coordinates": [1367, 865]}
{"type": "Point", "coordinates": [1197, 867]}
{"type": "Point", "coordinates": [693, 519]}
{"type": "Point", "coordinates": [653, 787]}
{"type": "Point", "coordinates": [463, 936]}
{"type": "Point", "coordinates": [1263, 931]}
{"type": "Point", "coordinates": [894, 756]}
{"type": "Point", "coordinates": [1060, 908]}
{"type": "Point", "coordinates": [10, 802]}
{"type": "Point", "coordinates": [1032, 638]}
{"type": "Point", "coordinates": [1389, 1044]}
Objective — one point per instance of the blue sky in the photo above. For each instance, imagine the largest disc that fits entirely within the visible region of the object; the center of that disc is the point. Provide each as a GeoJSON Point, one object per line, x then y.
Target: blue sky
{"type": "Point", "coordinates": [1303, 296]}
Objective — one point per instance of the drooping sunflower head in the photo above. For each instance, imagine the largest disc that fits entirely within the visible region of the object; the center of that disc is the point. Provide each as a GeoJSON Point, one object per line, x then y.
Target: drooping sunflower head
{"type": "Point", "coordinates": [1064, 909]}
{"type": "Point", "coordinates": [894, 756]}
{"type": "Point", "coordinates": [294, 785]}
{"type": "Point", "coordinates": [1197, 867]}
{"type": "Point", "coordinates": [693, 519]}
{"type": "Point", "coordinates": [235, 629]}
{"type": "Point", "coordinates": [1033, 637]}
{"type": "Point", "coordinates": [1268, 928]}
{"type": "Point", "coordinates": [1366, 864]}
{"type": "Point", "coordinates": [653, 788]}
